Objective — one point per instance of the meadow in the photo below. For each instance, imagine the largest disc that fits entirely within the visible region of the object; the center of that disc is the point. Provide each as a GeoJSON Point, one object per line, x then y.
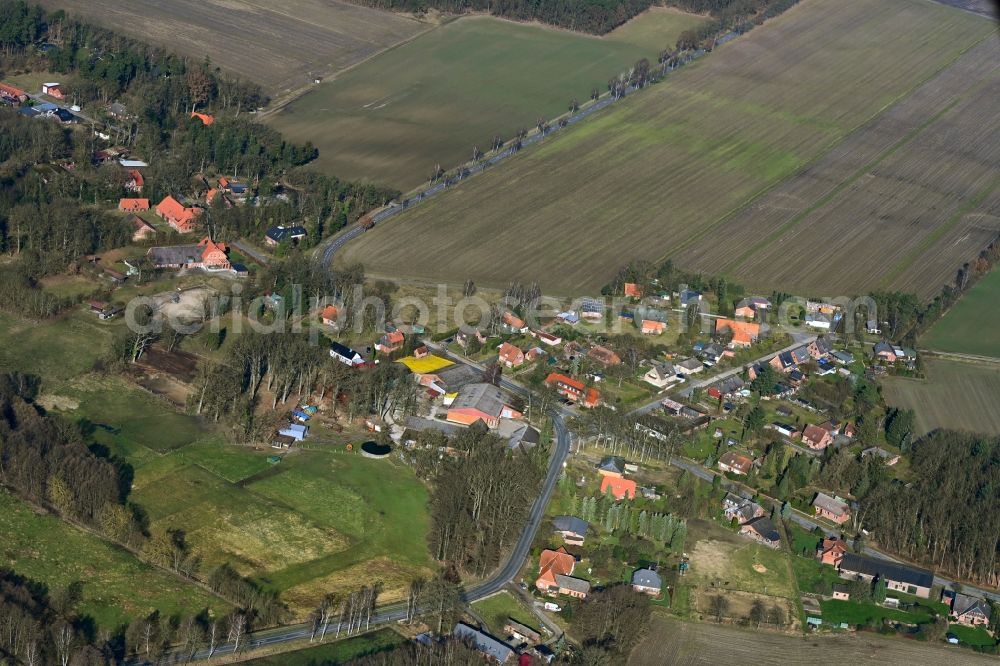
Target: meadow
{"type": "Point", "coordinates": [956, 395]}
{"type": "Point", "coordinates": [281, 46]}
{"type": "Point", "coordinates": [805, 142]}
{"type": "Point", "coordinates": [338, 652]}
{"type": "Point", "coordinates": [431, 100]}
{"type": "Point", "coordinates": [966, 328]}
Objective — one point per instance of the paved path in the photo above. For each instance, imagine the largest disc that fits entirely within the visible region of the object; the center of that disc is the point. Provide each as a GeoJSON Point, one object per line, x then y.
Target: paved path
{"type": "Point", "coordinates": [251, 252]}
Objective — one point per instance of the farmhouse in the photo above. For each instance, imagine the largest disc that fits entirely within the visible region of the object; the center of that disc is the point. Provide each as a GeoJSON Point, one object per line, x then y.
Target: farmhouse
{"type": "Point", "coordinates": [277, 235]}
{"type": "Point", "coordinates": [176, 215]}
{"type": "Point", "coordinates": [965, 609]}
{"type": "Point", "coordinates": [510, 356]}
{"type": "Point", "coordinates": [831, 508]}
{"type": "Point", "coordinates": [12, 94]}
{"type": "Point", "coordinates": [483, 402]}
{"type": "Point", "coordinates": [647, 581]}
{"type": "Point", "coordinates": [450, 378]}
{"type": "Point", "coordinates": [816, 437]}
{"type": "Point", "coordinates": [494, 648]}
{"type": "Point", "coordinates": [572, 529]}
{"type": "Point", "coordinates": [551, 564]}
{"type": "Point", "coordinates": [207, 254]}
{"type": "Point", "coordinates": [763, 531]}
{"type": "Point", "coordinates": [898, 577]}
{"type": "Point", "coordinates": [574, 390]}
{"type": "Point", "coordinates": [346, 355]}
{"type": "Point", "coordinates": [133, 205]}
{"type": "Point", "coordinates": [390, 342]}
{"type": "Point", "coordinates": [831, 550]}
{"type": "Point", "coordinates": [736, 463]}
{"type": "Point", "coordinates": [618, 487]}
{"type": "Point", "coordinates": [141, 229]}
{"type": "Point", "coordinates": [744, 333]}
{"type": "Point", "coordinates": [741, 508]}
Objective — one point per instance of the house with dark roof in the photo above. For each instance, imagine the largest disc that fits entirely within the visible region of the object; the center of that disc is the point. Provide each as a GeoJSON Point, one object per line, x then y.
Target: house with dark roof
{"type": "Point", "coordinates": [480, 402]}
{"type": "Point", "coordinates": [661, 375]}
{"type": "Point", "coordinates": [521, 632]}
{"type": "Point", "coordinates": [966, 609]}
{"type": "Point", "coordinates": [898, 577]}
{"type": "Point", "coordinates": [207, 254]}
{"type": "Point", "coordinates": [523, 437]}
{"type": "Point", "coordinates": [742, 509]}
{"type": "Point", "coordinates": [611, 466]}
{"type": "Point", "coordinates": [494, 648]}
{"type": "Point", "coordinates": [346, 355]}
{"type": "Point", "coordinates": [763, 531]}
{"type": "Point", "coordinates": [572, 586]}
{"type": "Point", "coordinates": [572, 529]}
{"type": "Point", "coordinates": [647, 581]}
{"type": "Point", "coordinates": [279, 234]}
{"type": "Point", "coordinates": [831, 508]}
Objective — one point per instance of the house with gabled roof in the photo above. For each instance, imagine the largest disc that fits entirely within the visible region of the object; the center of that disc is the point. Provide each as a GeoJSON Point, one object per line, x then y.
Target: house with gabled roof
{"type": "Point", "coordinates": [572, 529]}
{"type": "Point", "coordinates": [574, 390]}
{"type": "Point", "coordinates": [618, 487]}
{"type": "Point", "coordinates": [661, 375]}
{"type": "Point", "coordinates": [133, 205]}
{"type": "Point", "coordinates": [552, 563]}
{"type": "Point", "coordinates": [966, 609]}
{"type": "Point", "coordinates": [480, 402]}
{"type": "Point", "coordinates": [742, 509]}
{"type": "Point", "coordinates": [831, 508]}
{"type": "Point", "coordinates": [744, 333]}
{"type": "Point", "coordinates": [207, 254]}
{"type": "Point", "coordinates": [816, 437]}
{"type": "Point", "coordinates": [512, 323]}
{"type": "Point", "coordinates": [490, 646]}
{"type": "Point", "coordinates": [898, 577]}
{"type": "Point", "coordinates": [884, 352]}
{"type": "Point", "coordinates": [737, 463]}
{"type": "Point", "coordinates": [650, 327]}
{"type": "Point", "coordinates": [647, 581]}
{"type": "Point", "coordinates": [510, 355]}
{"type": "Point", "coordinates": [390, 342]}
{"type": "Point", "coordinates": [329, 315]}
{"type": "Point", "coordinates": [604, 356]}
{"type": "Point", "coordinates": [141, 229]}
{"type": "Point", "coordinates": [831, 550]}
{"type": "Point", "coordinates": [177, 215]}
{"type": "Point", "coordinates": [762, 530]}
{"type": "Point", "coordinates": [279, 234]}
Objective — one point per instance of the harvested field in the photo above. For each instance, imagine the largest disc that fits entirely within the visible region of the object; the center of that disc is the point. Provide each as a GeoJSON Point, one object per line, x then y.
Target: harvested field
{"type": "Point", "coordinates": [672, 642]}
{"type": "Point", "coordinates": [957, 395]}
{"type": "Point", "coordinates": [431, 100]}
{"type": "Point", "coordinates": [852, 127]}
{"type": "Point", "coordinates": [281, 46]}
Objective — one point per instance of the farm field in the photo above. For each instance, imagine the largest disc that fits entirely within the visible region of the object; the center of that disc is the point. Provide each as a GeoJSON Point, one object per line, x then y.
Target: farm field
{"type": "Point", "coordinates": [965, 329]}
{"type": "Point", "coordinates": [956, 395]}
{"type": "Point", "coordinates": [430, 101]}
{"type": "Point", "coordinates": [677, 643]}
{"type": "Point", "coordinates": [117, 587]}
{"type": "Point", "coordinates": [803, 134]}
{"type": "Point", "coordinates": [281, 46]}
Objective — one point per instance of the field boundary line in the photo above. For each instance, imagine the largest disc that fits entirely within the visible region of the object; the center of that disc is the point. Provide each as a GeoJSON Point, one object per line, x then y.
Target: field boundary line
{"type": "Point", "coordinates": [834, 143]}
{"type": "Point", "coordinates": [961, 357]}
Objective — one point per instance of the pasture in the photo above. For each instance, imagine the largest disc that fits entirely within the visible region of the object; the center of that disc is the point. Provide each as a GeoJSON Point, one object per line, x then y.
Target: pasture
{"type": "Point", "coordinates": [967, 328]}
{"type": "Point", "coordinates": [692, 644]}
{"type": "Point", "coordinates": [806, 155]}
{"type": "Point", "coordinates": [957, 395]}
{"type": "Point", "coordinates": [281, 46]}
{"type": "Point", "coordinates": [117, 587]}
{"type": "Point", "coordinates": [431, 100]}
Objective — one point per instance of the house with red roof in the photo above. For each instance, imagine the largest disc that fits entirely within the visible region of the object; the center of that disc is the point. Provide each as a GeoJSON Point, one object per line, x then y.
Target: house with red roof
{"type": "Point", "coordinates": [831, 551]}
{"type": "Point", "coordinates": [133, 205]}
{"type": "Point", "coordinates": [633, 290]}
{"type": "Point", "coordinates": [329, 315]}
{"type": "Point", "coordinates": [390, 342]}
{"type": "Point", "coordinates": [620, 488]}
{"type": "Point", "coordinates": [13, 94]}
{"type": "Point", "coordinates": [176, 215]}
{"type": "Point", "coordinates": [574, 390]}
{"type": "Point", "coordinates": [744, 333]}
{"type": "Point", "coordinates": [135, 181]}
{"type": "Point", "coordinates": [513, 323]}
{"type": "Point", "coordinates": [737, 463]}
{"type": "Point", "coordinates": [205, 118]}
{"type": "Point", "coordinates": [206, 254]}
{"type": "Point", "coordinates": [604, 356]}
{"type": "Point", "coordinates": [650, 327]}
{"type": "Point", "coordinates": [554, 574]}
{"type": "Point", "coordinates": [816, 437]}
{"type": "Point", "coordinates": [510, 356]}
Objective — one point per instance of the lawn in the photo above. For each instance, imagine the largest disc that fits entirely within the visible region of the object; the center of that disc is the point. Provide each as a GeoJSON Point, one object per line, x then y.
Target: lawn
{"type": "Point", "coordinates": [836, 611]}
{"type": "Point", "coordinates": [775, 144]}
{"type": "Point", "coordinates": [496, 609]}
{"type": "Point", "coordinates": [116, 586]}
{"type": "Point", "coordinates": [971, 635]}
{"type": "Point", "coordinates": [965, 329]}
{"type": "Point", "coordinates": [331, 654]}
{"type": "Point", "coordinates": [956, 395]}
{"type": "Point", "coordinates": [430, 101]}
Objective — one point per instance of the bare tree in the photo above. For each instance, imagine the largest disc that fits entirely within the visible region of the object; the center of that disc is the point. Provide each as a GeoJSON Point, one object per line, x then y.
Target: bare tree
{"type": "Point", "coordinates": [237, 629]}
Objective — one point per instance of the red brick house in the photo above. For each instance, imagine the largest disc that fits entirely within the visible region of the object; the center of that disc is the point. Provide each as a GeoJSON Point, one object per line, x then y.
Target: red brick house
{"type": "Point", "coordinates": [574, 390]}
{"type": "Point", "coordinates": [620, 488]}
{"type": "Point", "coordinates": [510, 355]}
{"type": "Point", "coordinates": [650, 327]}
{"type": "Point", "coordinates": [816, 437]}
{"type": "Point", "coordinates": [831, 551]}
{"type": "Point", "coordinates": [329, 315]}
{"type": "Point", "coordinates": [554, 568]}
{"type": "Point", "coordinates": [133, 205]}
{"type": "Point", "coordinates": [831, 508]}
{"type": "Point", "coordinates": [390, 342]}
{"type": "Point", "coordinates": [176, 215]}
{"type": "Point", "coordinates": [604, 356]}
{"type": "Point", "coordinates": [206, 254]}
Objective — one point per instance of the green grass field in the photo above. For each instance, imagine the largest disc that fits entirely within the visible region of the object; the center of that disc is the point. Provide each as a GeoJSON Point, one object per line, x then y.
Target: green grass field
{"type": "Point", "coordinates": [391, 119]}
{"type": "Point", "coordinates": [496, 609]}
{"type": "Point", "coordinates": [956, 395]}
{"type": "Point", "coordinates": [332, 654]}
{"type": "Point", "coordinates": [836, 611]}
{"type": "Point", "coordinates": [972, 635]}
{"type": "Point", "coordinates": [776, 144]}
{"type": "Point", "coordinates": [116, 586]}
{"type": "Point", "coordinates": [971, 324]}
{"type": "Point", "coordinates": [62, 348]}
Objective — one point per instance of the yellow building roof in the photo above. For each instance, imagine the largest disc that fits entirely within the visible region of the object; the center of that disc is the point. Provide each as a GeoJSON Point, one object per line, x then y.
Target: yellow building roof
{"type": "Point", "coordinates": [422, 366]}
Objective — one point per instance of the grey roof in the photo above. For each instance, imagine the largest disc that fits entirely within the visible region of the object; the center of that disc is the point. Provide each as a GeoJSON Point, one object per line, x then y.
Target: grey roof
{"type": "Point", "coordinates": [488, 645]}
{"type": "Point", "coordinates": [689, 364]}
{"type": "Point", "coordinates": [176, 255]}
{"type": "Point", "coordinates": [483, 397]}
{"type": "Point", "coordinates": [570, 524]}
{"type": "Point", "coordinates": [522, 629]}
{"type": "Point", "coordinates": [889, 570]}
{"type": "Point", "coordinates": [664, 370]}
{"type": "Point", "coordinates": [574, 584]}
{"type": "Point", "coordinates": [883, 346]}
{"type": "Point", "coordinates": [823, 344]}
{"type": "Point", "coordinates": [458, 375]}
{"type": "Point", "coordinates": [278, 234]}
{"type": "Point", "coordinates": [765, 528]}
{"type": "Point", "coordinates": [744, 508]}
{"type": "Point", "coordinates": [647, 578]}
{"type": "Point", "coordinates": [965, 604]}
{"type": "Point", "coordinates": [830, 504]}
{"type": "Point", "coordinates": [843, 356]}
{"type": "Point", "coordinates": [526, 436]}
{"type": "Point", "coordinates": [612, 464]}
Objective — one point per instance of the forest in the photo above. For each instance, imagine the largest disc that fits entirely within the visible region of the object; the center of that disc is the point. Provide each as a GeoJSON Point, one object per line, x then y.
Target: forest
{"type": "Point", "coordinates": [592, 16]}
